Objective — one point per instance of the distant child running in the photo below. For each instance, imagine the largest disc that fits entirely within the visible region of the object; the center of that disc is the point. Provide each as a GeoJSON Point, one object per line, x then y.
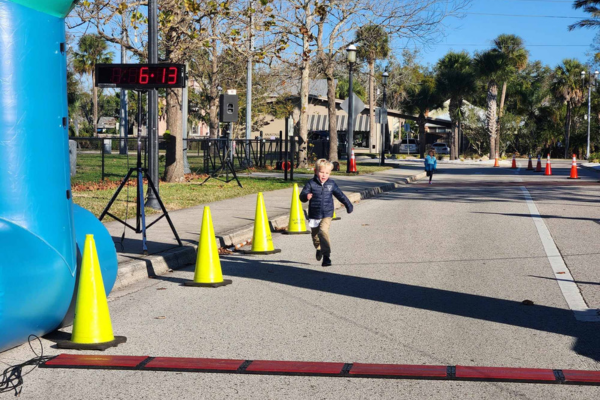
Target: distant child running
{"type": "Point", "coordinates": [320, 191]}
{"type": "Point", "coordinates": [430, 164]}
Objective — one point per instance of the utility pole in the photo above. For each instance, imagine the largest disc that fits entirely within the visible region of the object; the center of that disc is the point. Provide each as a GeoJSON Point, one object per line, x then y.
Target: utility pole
{"type": "Point", "coordinates": [351, 58]}
{"type": "Point", "coordinates": [152, 131]}
{"type": "Point", "coordinates": [591, 82]}
{"type": "Point", "coordinates": [249, 88]}
{"type": "Point", "coordinates": [383, 122]}
{"type": "Point", "coordinates": [123, 120]}
{"type": "Point", "coordinates": [184, 122]}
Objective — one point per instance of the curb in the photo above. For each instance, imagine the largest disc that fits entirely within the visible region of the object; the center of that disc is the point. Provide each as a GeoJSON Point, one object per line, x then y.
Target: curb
{"type": "Point", "coordinates": [131, 272]}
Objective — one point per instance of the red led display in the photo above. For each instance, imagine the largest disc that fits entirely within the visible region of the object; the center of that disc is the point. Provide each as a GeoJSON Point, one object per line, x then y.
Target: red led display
{"type": "Point", "coordinates": [140, 76]}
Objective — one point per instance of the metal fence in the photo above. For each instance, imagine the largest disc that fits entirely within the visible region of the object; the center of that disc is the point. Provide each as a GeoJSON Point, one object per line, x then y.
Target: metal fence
{"type": "Point", "coordinates": [104, 158]}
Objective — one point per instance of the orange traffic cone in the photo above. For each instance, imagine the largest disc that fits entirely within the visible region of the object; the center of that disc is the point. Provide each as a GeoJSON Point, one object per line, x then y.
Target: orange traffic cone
{"type": "Point", "coordinates": [496, 163]}
{"type": "Point", "coordinates": [548, 170]}
{"type": "Point", "coordinates": [352, 162]}
{"type": "Point", "coordinates": [574, 169]}
{"type": "Point", "coordinates": [538, 167]}
{"type": "Point", "coordinates": [530, 165]}
{"type": "Point", "coordinates": [514, 163]}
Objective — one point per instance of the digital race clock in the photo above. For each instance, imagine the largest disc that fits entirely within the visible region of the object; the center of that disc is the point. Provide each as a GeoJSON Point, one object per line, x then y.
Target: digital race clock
{"type": "Point", "coordinates": [140, 76]}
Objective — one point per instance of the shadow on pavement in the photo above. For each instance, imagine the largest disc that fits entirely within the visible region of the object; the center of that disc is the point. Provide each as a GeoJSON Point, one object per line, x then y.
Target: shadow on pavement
{"type": "Point", "coordinates": [508, 312]}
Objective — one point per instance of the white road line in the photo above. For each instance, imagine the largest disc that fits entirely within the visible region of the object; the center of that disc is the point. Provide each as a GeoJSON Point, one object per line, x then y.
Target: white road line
{"type": "Point", "coordinates": [563, 276]}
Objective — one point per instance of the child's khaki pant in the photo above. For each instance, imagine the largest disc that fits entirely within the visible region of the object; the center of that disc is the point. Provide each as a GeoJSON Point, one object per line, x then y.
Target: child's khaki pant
{"type": "Point", "coordinates": [320, 237]}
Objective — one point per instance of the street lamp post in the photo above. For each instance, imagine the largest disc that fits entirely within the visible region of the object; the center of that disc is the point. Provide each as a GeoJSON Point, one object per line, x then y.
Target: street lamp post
{"type": "Point", "coordinates": [591, 82]}
{"type": "Point", "coordinates": [384, 81]}
{"type": "Point", "coordinates": [351, 57]}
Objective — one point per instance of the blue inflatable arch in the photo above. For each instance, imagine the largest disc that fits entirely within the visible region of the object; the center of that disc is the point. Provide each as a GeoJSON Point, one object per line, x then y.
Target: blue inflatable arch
{"type": "Point", "coordinates": [40, 228]}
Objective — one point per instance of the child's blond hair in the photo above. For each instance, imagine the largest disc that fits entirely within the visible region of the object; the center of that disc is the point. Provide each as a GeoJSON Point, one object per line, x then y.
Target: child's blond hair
{"type": "Point", "coordinates": [323, 163]}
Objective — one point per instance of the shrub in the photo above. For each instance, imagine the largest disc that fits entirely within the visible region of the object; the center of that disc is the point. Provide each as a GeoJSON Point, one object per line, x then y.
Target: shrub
{"type": "Point", "coordinates": [594, 157]}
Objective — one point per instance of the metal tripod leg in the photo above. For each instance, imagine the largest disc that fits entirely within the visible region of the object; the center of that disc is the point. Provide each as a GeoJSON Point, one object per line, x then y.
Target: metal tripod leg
{"type": "Point", "coordinates": [112, 200]}
{"type": "Point", "coordinates": [141, 212]}
{"type": "Point", "coordinates": [162, 206]}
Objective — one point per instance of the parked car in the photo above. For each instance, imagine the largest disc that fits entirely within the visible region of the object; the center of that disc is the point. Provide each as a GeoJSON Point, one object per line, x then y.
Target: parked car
{"type": "Point", "coordinates": [441, 148]}
{"type": "Point", "coordinates": [410, 146]}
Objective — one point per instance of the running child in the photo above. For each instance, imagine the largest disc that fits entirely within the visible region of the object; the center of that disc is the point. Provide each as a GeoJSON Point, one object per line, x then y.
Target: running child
{"type": "Point", "coordinates": [319, 191]}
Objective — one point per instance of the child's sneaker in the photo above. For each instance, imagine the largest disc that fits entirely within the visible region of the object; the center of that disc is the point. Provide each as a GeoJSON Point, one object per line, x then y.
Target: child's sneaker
{"type": "Point", "coordinates": [326, 262]}
{"type": "Point", "coordinates": [319, 255]}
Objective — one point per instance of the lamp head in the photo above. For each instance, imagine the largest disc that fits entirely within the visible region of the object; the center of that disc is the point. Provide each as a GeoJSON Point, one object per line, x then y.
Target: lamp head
{"type": "Point", "coordinates": [351, 54]}
{"type": "Point", "coordinates": [384, 78]}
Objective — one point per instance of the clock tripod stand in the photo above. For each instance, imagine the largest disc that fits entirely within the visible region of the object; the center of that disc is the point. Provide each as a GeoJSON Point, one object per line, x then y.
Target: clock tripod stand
{"type": "Point", "coordinates": [140, 174]}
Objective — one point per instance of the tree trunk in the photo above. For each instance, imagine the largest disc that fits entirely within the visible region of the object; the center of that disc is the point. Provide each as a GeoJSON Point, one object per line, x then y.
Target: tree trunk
{"type": "Point", "coordinates": [453, 108]}
{"type": "Point", "coordinates": [567, 129]}
{"type": "Point", "coordinates": [95, 102]}
{"type": "Point", "coordinates": [304, 91]}
{"type": "Point", "coordinates": [332, 112]}
{"type": "Point", "coordinates": [500, 114]}
{"type": "Point", "coordinates": [373, 131]}
{"type": "Point", "coordinates": [455, 139]}
{"type": "Point", "coordinates": [174, 170]}
{"type": "Point", "coordinates": [422, 144]}
{"type": "Point", "coordinates": [213, 106]}
{"type": "Point", "coordinates": [492, 118]}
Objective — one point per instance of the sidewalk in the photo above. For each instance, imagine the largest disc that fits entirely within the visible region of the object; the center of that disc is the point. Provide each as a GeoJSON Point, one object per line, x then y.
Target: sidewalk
{"type": "Point", "coordinates": [233, 221]}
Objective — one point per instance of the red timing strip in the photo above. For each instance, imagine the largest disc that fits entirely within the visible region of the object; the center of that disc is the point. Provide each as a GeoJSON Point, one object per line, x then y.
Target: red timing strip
{"type": "Point", "coordinates": [393, 370]}
{"type": "Point", "coordinates": [100, 361]}
{"type": "Point", "coordinates": [358, 370]}
{"type": "Point", "coordinates": [574, 376]}
{"type": "Point", "coordinates": [295, 367]}
{"type": "Point", "coordinates": [194, 364]}
{"type": "Point", "coordinates": [508, 374]}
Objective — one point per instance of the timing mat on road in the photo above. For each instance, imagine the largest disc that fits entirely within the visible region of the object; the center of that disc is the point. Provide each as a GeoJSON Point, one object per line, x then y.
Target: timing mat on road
{"type": "Point", "coordinates": [330, 369]}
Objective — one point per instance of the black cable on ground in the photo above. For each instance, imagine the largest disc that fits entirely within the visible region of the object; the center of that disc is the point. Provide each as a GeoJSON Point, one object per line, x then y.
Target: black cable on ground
{"type": "Point", "coordinates": [12, 377]}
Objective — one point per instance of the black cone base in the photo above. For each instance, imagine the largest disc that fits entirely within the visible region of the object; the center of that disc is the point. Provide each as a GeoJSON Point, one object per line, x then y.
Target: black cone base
{"type": "Point", "coordinates": [573, 178]}
{"type": "Point", "coordinates": [295, 233]}
{"type": "Point", "coordinates": [67, 344]}
{"type": "Point", "coordinates": [336, 218]}
{"type": "Point", "coordinates": [260, 252]}
{"type": "Point", "coordinates": [212, 285]}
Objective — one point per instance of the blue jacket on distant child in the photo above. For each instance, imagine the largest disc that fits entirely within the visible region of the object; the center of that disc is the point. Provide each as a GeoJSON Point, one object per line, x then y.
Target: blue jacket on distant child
{"type": "Point", "coordinates": [430, 163]}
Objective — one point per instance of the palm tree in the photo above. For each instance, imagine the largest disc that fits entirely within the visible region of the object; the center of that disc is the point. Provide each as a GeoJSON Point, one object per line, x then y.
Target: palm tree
{"type": "Point", "coordinates": [589, 6]}
{"type": "Point", "coordinates": [489, 66]}
{"type": "Point", "coordinates": [567, 89]}
{"type": "Point", "coordinates": [515, 60]}
{"type": "Point", "coordinates": [420, 100]}
{"type": "Point", "coordinates": [373, 45]}
{"type": "Point", "coordinates": [455, 79]}
{"type": "Point", "coordinates": [92, 51]}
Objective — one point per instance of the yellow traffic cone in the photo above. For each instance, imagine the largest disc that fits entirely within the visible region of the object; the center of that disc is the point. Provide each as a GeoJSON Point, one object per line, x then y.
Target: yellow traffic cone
{"type": "Point", "coordinates": [335, 217]}
{"type": "Point", "coordinates": [92, 329]}
{"type": "Point", "coordinates": [208, 265]}
{"type": "Point", "coordinates": [262, 242]}
{"type": "Point", "coordinates": [297, 223]}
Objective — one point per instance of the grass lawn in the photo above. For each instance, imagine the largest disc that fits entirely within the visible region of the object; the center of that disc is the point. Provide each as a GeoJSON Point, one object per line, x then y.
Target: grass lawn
{"type": "Point", "coordinates": [89, 166]}
{"type": "Point", "coordinates": [94, 197]}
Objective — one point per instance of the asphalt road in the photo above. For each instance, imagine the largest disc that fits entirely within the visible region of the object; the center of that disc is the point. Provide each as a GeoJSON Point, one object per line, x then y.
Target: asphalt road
{"type": "Point", "coordinates": [426, 274]}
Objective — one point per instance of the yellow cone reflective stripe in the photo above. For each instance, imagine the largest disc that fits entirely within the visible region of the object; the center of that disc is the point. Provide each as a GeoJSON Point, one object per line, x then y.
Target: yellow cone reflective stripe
{"type": "Point", "coordinates": [92, 319]}
{"type": "Point", "coordinates": [208, 264]}
{"type": "Point", "coordinates": [261, 239]}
